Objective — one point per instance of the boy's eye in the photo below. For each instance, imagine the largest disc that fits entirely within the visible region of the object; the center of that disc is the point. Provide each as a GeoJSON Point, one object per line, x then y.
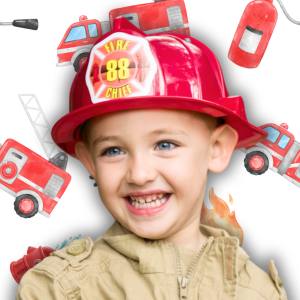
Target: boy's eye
{"type": "Point", "coordinates": [114, 151]}
{"type": "Point", "coordinates": [111, 151]}
{"type": "Point", "coordinates": [166, 145]}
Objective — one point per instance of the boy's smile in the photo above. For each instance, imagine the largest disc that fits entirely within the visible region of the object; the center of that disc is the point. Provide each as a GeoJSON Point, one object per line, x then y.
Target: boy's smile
{"type": "Point", "coordinates": [151, 168]}
{"type": "Point", "coordinates": [147, 202]}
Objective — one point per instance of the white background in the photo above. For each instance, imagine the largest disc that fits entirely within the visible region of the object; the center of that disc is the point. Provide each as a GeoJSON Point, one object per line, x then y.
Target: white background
{"type": "Point", "coordinates": [267, 206]}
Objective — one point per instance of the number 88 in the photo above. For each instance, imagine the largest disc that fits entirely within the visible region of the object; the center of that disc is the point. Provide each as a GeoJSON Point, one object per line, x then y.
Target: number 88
{"type": "Point", "coordinates": [117, 69]}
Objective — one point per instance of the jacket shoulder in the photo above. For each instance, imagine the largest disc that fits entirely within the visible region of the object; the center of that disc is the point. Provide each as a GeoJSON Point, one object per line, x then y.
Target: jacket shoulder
{"type": "Point", "coordinates": [60, 273]}
{"type": "Point", "coordinates": [254, 282]}
{"type": "Point", "coordinates": [41, 282]}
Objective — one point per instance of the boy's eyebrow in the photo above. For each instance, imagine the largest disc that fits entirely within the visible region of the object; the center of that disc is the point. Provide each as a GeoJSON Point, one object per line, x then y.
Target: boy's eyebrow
{"type": "Point", "coordinates": [168, 131]}
{"type": "Point", "coordinates": [101, 138]}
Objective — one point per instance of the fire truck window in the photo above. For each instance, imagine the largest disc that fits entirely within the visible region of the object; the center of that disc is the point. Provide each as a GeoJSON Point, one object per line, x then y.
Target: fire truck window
{"type": "Point", "coordinates": [283, 141]}
{"type": "Point", "coordinates": [273, 134]}
{"type": "Point", "coordinates": [93, 30]}
{"type": "Point", "coordinates": [76, 33]}
{"type": "Point", "coordinates": [16, 155]}
{"type": "Point", "coordinates": [298, 172]}
{"type": "Point", "coordinates": [175, 16]}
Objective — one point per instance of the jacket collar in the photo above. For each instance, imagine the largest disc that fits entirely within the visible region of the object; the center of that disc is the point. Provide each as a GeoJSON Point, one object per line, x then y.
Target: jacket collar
{"type": "Point", "coordinates": [155, 255]}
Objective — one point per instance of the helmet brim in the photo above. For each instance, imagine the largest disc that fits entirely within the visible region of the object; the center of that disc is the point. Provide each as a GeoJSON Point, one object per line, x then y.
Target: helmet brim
{"type": "Point", "coordinates": [65, 132]}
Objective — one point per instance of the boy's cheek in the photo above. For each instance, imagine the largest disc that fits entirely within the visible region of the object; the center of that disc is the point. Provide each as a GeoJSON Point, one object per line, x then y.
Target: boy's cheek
{"type": "Point", "coordinates": [106, 183]}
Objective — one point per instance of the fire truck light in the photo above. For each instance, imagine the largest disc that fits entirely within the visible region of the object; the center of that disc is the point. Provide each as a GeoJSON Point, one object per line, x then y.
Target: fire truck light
{"type": "Point", "coordinates": [284, 125]}
{"type": "Point", "coordinates": [82, 18]}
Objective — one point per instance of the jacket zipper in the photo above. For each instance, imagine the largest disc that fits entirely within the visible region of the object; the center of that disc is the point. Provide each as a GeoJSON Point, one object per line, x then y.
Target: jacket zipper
{"type": "Point", "coordinates": [183, 280]}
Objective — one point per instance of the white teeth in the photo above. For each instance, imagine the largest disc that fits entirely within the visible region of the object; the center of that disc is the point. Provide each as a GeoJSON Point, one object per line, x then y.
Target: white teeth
{"type": "Point", "coordinates": [142, 204]}
{"type": "Point", "coordinates": [147, 199]}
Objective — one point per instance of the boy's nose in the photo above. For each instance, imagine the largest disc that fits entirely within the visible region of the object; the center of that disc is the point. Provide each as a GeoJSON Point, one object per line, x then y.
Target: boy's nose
{"type": "Point", "coordinates": [140, 171]}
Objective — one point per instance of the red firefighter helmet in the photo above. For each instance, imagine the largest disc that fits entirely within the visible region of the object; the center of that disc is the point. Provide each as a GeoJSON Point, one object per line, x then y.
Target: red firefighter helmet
{"type": "Point", "coordinates": [128, 69]}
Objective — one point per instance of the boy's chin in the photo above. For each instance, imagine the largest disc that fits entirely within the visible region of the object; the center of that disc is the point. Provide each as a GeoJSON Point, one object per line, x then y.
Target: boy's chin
{"type": "Point", "coordinates": [151, 233]}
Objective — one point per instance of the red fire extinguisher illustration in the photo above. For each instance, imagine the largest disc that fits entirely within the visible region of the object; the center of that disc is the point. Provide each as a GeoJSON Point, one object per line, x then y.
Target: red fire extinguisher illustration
{"type": "Point", "coordinates": [253, 33]}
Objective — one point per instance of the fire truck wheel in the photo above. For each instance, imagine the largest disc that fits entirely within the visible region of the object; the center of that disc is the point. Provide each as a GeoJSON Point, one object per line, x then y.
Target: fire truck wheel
{"type": "Point", "coordinates": [79, 61]}
{"type": "Point", "coordinates": [26, 206]}
{"type": "Point", "coordinates": [256, 162]}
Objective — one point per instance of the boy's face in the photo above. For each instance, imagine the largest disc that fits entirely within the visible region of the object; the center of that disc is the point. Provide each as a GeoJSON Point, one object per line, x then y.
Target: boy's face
{"type": "Point", "coordinates": [151, 167]}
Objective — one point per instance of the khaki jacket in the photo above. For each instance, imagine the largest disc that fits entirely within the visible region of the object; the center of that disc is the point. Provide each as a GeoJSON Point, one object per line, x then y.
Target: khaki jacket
{"type": "Point", "coordinates": [122, 266]}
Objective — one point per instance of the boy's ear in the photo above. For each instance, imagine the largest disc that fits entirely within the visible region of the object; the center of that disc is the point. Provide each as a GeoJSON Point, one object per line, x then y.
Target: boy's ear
{"type": "Point", "coordinates": [223, 141]}
{"type": "Point", "coordinates": [83, 154]}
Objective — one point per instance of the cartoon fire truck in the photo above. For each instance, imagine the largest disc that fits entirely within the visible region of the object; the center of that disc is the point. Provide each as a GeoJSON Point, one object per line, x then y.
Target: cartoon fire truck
{"type": "Point", "coordinates": [160, 16]}
{"type": "Point", "coordinates": [279, 151]}
{"type": "Point", "coordinates": [36, 183]}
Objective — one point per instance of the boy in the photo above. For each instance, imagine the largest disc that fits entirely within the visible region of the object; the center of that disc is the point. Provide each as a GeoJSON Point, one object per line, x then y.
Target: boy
{"type": "Point", "coordinates": [150, 117]}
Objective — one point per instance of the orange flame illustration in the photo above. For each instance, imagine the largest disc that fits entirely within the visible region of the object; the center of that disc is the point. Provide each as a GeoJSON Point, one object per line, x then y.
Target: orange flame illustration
{"type": "Point", "coordinates": [221, 217]}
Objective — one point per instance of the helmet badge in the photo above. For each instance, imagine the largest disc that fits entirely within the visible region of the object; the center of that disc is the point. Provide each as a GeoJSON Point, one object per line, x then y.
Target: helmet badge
{"type": "Point", "coordinates": [121, 65]}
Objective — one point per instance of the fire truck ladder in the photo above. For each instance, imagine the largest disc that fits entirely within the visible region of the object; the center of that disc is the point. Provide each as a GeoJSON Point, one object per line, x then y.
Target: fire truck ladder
{"type": "Point", "coordinates": [41, 127]}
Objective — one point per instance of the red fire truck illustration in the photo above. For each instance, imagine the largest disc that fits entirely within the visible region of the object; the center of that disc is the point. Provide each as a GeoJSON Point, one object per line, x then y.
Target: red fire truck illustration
{"type": "Point", "coordinates": [279, 151]}
{"type": "Point", "coordinates": [160, 16]}
{"type": "Point", "coordinates": [36, 183]}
